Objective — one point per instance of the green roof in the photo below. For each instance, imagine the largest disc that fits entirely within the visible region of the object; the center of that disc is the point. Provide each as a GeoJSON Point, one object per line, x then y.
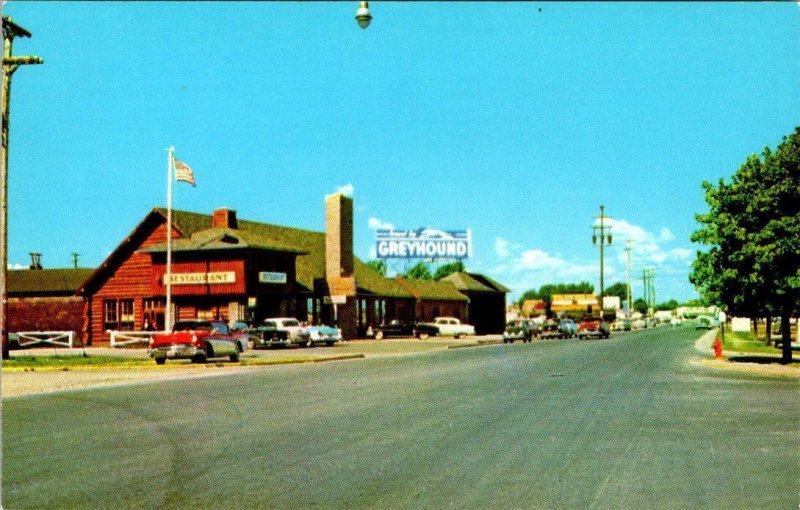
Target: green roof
{"type": "Point", "coordinates": [432, 289]}
{"type": "Point", "coordinates": [46, 281]}
{"type": "Point", "coordinates": [311, 246]}
{"type": "Point", "coordinates": [215, 238]}
{"type": "Point", "coordinates": [473, 282]}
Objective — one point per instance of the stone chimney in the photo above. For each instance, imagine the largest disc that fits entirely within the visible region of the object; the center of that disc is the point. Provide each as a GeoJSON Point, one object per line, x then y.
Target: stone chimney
{"type": "Point", "coordinates": [339, 261]}
{"type": "Point", "coordinates": [224, 218]}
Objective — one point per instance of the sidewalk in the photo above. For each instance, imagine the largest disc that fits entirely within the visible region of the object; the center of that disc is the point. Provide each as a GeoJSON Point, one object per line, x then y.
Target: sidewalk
{"type": "Point", "coordinates": [705, 344]}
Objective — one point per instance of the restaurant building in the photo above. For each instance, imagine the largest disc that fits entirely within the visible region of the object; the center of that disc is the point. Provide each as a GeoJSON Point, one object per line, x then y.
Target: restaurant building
{"type": "Point", "coordinates": [230, 269]}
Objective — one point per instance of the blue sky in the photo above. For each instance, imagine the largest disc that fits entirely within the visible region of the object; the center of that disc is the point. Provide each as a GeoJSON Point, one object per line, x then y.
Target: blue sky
{"type": "Point", "coordinates": [516, 120]}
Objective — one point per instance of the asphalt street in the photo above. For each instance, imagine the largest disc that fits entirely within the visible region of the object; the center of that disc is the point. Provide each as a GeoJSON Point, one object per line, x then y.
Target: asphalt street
{"type": "Point", "coordinates": [628, 422]}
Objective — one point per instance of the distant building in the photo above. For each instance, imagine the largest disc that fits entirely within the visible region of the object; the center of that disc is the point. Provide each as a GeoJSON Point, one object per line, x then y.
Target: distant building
{"type": "Point", "coordinates": [46, 300]}
{"type": "Point", "coordinates": [611, 303]}
{"type": "Point", "coordinates": [586, 303]}
{"type": "Point", "coordinates": [533, 307]}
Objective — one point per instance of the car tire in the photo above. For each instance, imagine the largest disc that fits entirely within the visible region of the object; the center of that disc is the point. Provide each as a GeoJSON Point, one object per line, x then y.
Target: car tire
{"type": "Point", "coordinates": [235, 357]}
{"type": "Point", "coordinates": [379, 335]}
{"type": "Point", "coordinates": [423, 335]}
{"type": "Point", "coordinates": [160, 361]}
{"type": "Point", "coordinates": [329, 344]}
{"type": "Point", "coordinates": [456, 337]}
{"type": "Point", "coordinates": [199, 358]}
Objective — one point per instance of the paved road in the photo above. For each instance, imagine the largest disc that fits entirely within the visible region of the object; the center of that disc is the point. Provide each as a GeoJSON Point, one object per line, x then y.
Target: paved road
{"type": "Point", "coordinates": [623, 423]}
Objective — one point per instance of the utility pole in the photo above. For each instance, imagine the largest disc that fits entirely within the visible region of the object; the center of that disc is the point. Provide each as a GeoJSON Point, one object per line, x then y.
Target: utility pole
{"type": "Point", "coordinates": [75, 259]}
{"type": "Point", "coordinates": [604, 233]}
{"type": "Point", "coordinates": [629, 294]}
{"type": "Point", "coordinates": [10, 65]}
{"type": "Point", "coordinates": [648, 279]}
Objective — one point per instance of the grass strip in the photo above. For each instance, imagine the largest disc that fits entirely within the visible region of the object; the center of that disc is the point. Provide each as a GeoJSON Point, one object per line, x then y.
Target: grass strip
{"type": "Point", "coordinates": [79, 363]}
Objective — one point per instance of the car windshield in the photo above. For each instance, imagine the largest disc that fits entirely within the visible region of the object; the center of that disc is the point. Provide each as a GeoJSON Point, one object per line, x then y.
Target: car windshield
{"type": "Point", "coordinates": [221, 327]}
{"type": "Point", "coordinates": [270, 324]}
{"type": "Point", "coordinates": [291, 323]}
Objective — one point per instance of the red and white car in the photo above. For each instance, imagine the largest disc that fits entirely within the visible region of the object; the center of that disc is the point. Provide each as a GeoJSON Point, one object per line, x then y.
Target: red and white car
{"type": "Point", "coordinates": [198, 340]}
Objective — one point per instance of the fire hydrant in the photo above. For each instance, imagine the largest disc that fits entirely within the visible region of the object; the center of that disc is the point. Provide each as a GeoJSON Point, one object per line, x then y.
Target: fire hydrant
{"type": "Point", "coordinates": [717, 348]}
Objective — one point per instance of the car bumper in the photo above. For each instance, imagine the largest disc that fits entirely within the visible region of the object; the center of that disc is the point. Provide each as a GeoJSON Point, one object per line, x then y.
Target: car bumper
{"type": "Point", "coordinates": [175, 351]}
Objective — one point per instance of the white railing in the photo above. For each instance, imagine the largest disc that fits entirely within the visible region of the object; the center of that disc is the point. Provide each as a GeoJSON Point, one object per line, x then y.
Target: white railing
{"type": "Point", "coordinates": [123, 338]}
{"type": "Point", "coordinates": [61, 338]}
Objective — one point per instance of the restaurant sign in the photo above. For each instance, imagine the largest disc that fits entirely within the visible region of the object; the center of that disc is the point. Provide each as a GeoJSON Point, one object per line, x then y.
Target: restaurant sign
{"type": "Point", "coordinates": [268, 277]}
{"type": "Point", "coordinates": [424, 243]}
{"type": "Point", "coordinates": [203, 278]}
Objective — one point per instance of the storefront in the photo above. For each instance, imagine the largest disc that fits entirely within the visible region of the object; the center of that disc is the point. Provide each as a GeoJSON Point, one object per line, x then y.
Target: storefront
{"type": "Point", "coordinates": [224, 268]}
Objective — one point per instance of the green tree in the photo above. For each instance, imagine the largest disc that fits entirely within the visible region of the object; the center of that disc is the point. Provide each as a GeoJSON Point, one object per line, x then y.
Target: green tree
{"type": "Point", "coordinates": [379, 266]}
{"type": "Point", "coordinates": [528, 294]}
{"type": "Point", "coordinates": [619, 289]}
{"type": "Point", "coordinates": [420, 271]}
{"type": "Point", "coordinates": [640, 305]}
{"type": "Point", "coordinates": [752, 231]}
{"type": "Point", "coordinates": [448, 269]}
{"type": "Point", "coordinates": [668, 305]}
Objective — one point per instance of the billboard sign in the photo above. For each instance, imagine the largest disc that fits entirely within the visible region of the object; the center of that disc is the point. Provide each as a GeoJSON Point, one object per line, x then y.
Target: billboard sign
{"type": "Point", "coordinates": [424, 243]}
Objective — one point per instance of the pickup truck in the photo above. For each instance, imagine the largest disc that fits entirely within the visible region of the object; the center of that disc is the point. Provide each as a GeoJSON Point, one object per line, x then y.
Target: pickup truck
{"type": "Point", "coordinates": [449, 326]}
{"type": "Point", "coordinates": [197, 340]}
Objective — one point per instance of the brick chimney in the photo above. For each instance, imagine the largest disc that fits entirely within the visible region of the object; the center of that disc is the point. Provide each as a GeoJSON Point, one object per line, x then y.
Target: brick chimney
{"type": "Point", "coordinates": [339, 260]}
{"type": "Point", "coordinates": [224, 218]}
{"type": "Point", "coordinates": [338, 235]}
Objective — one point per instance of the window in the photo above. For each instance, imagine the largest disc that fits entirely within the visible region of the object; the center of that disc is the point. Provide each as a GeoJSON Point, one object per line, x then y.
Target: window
{"type": "Point", "coordinates": [110, 321]}
{"type": "Point", "coordinates": [126, 314]}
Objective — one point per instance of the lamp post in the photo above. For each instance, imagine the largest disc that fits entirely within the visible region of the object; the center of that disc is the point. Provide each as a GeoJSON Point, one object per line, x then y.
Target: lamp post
{"type": "Point", "coordinates": [10, 65]}
{"type": "Point", "coordinates": [363, 16]}
{"type": "Point", "coordinates": [602, 232]}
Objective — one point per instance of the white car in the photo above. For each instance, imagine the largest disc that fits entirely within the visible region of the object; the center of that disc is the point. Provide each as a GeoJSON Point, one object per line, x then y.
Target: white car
{"type": "Point", "coordinates": [450, 326]}
{"type": "Point", "coordinates": [281, 331]}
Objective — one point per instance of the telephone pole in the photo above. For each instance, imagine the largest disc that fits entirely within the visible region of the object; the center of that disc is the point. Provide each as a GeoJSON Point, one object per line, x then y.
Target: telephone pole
{"type": "Point", "coordinates": [629, 294]}
{"type": "Point", "coordinates": [604, 233]}
{"type": "Point", "coordinates": [10, 65]}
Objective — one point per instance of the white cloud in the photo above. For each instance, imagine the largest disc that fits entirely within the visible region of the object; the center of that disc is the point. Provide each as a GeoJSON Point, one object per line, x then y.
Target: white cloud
{"type": "Point", "coordinates": [346, 190]}
{"type": "Point", "coordinates": [501, 247]}
{"type": "Point", "coordinates": [375, 223]}
{"type": "Point", "coordinates": [666, 235]}
{"type": "Point", "coordinates": [682, 253]}
{"type": "Point", "coordinates": [16, 266]}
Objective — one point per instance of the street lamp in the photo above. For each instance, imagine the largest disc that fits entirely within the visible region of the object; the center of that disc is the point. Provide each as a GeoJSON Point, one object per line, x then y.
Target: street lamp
{"type": "Point", "coordinates": [603, 234]}
{"type": "Point", "coordinates": [363, 17]}
{"type": "Point", "coordinates": [10, 65]}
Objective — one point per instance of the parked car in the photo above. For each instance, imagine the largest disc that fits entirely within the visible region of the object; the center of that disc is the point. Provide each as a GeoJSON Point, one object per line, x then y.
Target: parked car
{"type": "Point", "coordinates": [400, 328]}
{"type": "Point", "coordinates": [704, 322]}
{"type": "Point", "coordinates": [520, 329]}
{"type": "Point", "coordinates": [244, 339]}
{"type": "Point", "coordinates": [551, 329]}
{"type": "Point", "coordinates": [280, 331]}
{"type": "Point", "coordinates": [323, 335]}
{"type": "Point", "coordinates": [197, 340]}
{"type": "Point", "coordinates": [449, 326]}
{"type": "Point", "coordinates": [568, 328]}
{"type": "Point", "coordinates": [593, 328]}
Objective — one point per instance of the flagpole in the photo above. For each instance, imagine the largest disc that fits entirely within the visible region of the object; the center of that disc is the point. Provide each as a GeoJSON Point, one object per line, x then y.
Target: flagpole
{"type": "Point", "coordinates": [168, 311]}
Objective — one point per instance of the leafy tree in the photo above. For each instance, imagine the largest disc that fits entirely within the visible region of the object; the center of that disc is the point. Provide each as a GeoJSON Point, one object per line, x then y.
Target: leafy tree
{"type": "Point", "coordinates": [420, 271]}
{"type": "Point", "coordinates": [640, 305]}
{"type": "Point", "coordinates": [619, 289]}
{"type": "Point", "coordinates": [448, 269]}
{"type": "Point", "coordinates": [528, 294]}
{"type": "Point", "coordinates": [379, 266]}
{"type": "Point", "coordinates": [669, 305]}
{"type": "Point", "coordinates": [752, 229]}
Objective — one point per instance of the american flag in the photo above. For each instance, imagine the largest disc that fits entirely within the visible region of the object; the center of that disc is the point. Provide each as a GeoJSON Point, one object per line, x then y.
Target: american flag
{"type": "Point", "coordinates": [184, 173]}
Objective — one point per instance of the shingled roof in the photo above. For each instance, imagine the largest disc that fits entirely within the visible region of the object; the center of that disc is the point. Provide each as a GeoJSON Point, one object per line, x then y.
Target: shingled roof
{"type": "Point", "coordinates": [309, 244]}
{"type": "Point", "coordinates": [473, 282]}
{"type": "Point", "coordinates": [432, 289]}
{"type": "Point", "coordinates": [44, 282]}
